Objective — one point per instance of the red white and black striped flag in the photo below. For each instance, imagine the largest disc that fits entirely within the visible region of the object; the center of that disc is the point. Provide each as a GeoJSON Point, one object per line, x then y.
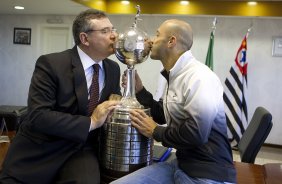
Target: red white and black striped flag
{"type": "Point", "coordinates": [234, 95]}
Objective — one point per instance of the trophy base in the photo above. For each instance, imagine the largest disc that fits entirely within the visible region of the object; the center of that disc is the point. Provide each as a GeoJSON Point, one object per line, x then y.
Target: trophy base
{"type": "Point", "coordinates": [123, 149]}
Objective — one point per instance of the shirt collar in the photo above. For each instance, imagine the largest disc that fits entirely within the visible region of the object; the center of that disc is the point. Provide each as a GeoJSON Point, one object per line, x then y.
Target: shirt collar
{"type": "Point", "coordinates": [165, 74]}
{"type": "Point", "coordinates": [86, 60]}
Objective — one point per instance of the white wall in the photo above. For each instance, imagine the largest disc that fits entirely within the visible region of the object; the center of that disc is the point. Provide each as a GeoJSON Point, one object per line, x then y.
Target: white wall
{"type": "Point", "coordinates": [264, 76]}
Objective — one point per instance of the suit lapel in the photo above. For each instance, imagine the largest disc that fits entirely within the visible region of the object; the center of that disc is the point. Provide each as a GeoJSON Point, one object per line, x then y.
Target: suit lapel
{"type": "Point", "coordinates": [106, 88]}
{"type": "Point", "coordinates": [80, 84]}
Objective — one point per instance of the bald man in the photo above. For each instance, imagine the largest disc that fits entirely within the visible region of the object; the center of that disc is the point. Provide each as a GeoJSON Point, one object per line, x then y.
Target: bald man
{"type": "Point", "coordinates": [193, 110]}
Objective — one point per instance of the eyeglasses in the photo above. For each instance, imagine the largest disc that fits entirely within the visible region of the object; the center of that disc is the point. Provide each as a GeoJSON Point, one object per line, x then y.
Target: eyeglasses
{"type": "Point", "coordinates": [103, 31]}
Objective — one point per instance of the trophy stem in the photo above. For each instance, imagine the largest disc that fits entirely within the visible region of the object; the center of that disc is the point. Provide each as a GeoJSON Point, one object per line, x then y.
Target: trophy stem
{"type": "Point", "coordinates": [130, 86]}
{"type": "Point", "coordinates": [129, 99]}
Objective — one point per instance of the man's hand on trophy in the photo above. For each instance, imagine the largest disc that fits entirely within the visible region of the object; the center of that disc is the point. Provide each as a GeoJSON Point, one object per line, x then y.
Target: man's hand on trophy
{"type": "Point", "coordinates": [138, 82]}
{"type": "Point", "coordinates": [101, 112]}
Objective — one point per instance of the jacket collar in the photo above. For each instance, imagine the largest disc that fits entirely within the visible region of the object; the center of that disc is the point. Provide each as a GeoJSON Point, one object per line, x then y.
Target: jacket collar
{"type": "Point", "coordinates": [180, 64]}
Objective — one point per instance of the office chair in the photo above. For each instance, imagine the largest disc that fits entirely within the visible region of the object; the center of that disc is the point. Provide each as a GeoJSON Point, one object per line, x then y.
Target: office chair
{"type": "Point", "coordinates": [255, 135]}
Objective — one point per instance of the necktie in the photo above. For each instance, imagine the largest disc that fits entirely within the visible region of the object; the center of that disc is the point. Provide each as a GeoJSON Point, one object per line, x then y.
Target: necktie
{"type": "Point", "coordinates": [94, 90]}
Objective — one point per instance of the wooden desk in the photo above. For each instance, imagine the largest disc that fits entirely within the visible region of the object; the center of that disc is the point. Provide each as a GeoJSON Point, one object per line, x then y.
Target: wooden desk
{"type": "Point", "coordinates": [3, 150]}
{"type": "Point", "coordinates": [4, 147]}
{"type": "Point", "coordinates": [273, 173]}
{"type": "Point", "coordinates": [249, 173]}
{"type": "Point", "coordinates": [258, 174]}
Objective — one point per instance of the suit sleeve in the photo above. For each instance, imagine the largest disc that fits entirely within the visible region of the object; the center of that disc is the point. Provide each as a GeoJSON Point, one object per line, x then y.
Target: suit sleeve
{"type": "Point", "coordinates": [46, 116]}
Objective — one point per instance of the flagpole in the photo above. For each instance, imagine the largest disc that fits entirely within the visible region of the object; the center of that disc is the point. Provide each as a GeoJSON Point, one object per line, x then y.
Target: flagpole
{"type": "Point", "coordinates": [214, 25]}
{"type": "Point", "coordinates": [249, 30]}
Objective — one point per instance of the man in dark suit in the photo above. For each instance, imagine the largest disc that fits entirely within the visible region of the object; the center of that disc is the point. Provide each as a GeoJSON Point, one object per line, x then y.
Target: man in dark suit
{"type": "Point", "coordinates": [58, 140]}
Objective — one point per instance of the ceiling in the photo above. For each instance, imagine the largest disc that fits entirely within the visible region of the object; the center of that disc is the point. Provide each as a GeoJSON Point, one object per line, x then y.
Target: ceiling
{"type": "Point", "coordinates": [43, 7]}
{"type": "Point", "coordinates": [204, 7]}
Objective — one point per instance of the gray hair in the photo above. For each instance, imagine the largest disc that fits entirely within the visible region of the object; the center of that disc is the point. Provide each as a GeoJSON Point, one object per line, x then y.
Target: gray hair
{"type": "Point", "coordinates": [82, 22]}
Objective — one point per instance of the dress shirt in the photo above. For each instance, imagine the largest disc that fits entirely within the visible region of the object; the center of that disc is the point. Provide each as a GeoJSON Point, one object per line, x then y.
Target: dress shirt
{"type": "Point", "coordinates": [87, 63]}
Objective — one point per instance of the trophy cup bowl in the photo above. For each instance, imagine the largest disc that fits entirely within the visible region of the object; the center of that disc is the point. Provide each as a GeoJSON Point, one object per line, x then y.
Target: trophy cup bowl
{"type": "Point", "coordinates": [132, 46]}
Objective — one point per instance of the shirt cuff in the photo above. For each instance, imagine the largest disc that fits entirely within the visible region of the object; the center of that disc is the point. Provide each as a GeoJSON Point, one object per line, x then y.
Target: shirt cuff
{"type": "Point", "coordinates": [158, 133]}
{"type": "Point", "coordinates": [91, 125]}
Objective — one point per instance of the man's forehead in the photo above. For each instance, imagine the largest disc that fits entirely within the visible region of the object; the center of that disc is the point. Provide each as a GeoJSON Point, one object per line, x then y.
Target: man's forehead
{"type": "Point", "coordinates": [161, 29]}
{"type": "Point", "coordinates": [102, 22]}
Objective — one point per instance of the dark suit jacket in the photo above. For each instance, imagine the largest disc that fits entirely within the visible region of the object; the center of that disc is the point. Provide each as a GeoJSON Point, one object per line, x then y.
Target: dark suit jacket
{"type": "Point", "coordinates": [57, 124]}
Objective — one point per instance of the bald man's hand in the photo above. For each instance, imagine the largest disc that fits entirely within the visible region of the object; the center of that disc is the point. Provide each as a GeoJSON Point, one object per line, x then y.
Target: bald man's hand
{"type": "Point", "coordinates": [144, 123]}
{"type": "Point", "coordinates": [138, 83]}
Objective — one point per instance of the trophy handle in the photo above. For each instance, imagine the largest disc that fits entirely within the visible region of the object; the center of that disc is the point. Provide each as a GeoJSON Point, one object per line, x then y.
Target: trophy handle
{"type": "Point", "coordinates": [137, 16]}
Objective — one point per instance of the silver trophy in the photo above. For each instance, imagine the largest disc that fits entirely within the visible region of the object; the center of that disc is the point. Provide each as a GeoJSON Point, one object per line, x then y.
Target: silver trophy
{"type": "Point", "coordinates": [131, 49]}
{"type": "Point", "coordinates": [122, 148]}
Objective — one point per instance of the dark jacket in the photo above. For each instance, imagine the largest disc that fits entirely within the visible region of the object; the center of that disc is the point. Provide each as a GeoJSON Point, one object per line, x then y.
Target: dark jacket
{"type": "Point", "coordinates": [57, 124]}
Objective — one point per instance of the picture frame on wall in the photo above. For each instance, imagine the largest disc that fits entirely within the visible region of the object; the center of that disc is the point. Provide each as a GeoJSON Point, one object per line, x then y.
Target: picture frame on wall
{"type": "Point", "coordinates": [22, 36]}
{"type": "Point", "coordinates": [277, 46]}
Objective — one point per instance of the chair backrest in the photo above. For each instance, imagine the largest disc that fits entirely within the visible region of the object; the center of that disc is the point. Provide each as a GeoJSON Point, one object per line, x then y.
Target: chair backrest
{"type": "Point", "coordinates": [255, 135]}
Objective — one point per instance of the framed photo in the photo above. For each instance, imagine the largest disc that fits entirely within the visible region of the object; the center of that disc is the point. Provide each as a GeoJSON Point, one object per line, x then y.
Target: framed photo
{"type": "Point", "coordinates": [22, 36]}
{"type": "Point", "coordinates": [277, 46]}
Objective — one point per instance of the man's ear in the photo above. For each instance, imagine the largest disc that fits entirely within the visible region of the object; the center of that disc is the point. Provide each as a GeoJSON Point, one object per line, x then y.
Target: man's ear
{"type": "Point", "coordinates": [172, 41]}
{"type": "Point", "coordinates": [84, 39]}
